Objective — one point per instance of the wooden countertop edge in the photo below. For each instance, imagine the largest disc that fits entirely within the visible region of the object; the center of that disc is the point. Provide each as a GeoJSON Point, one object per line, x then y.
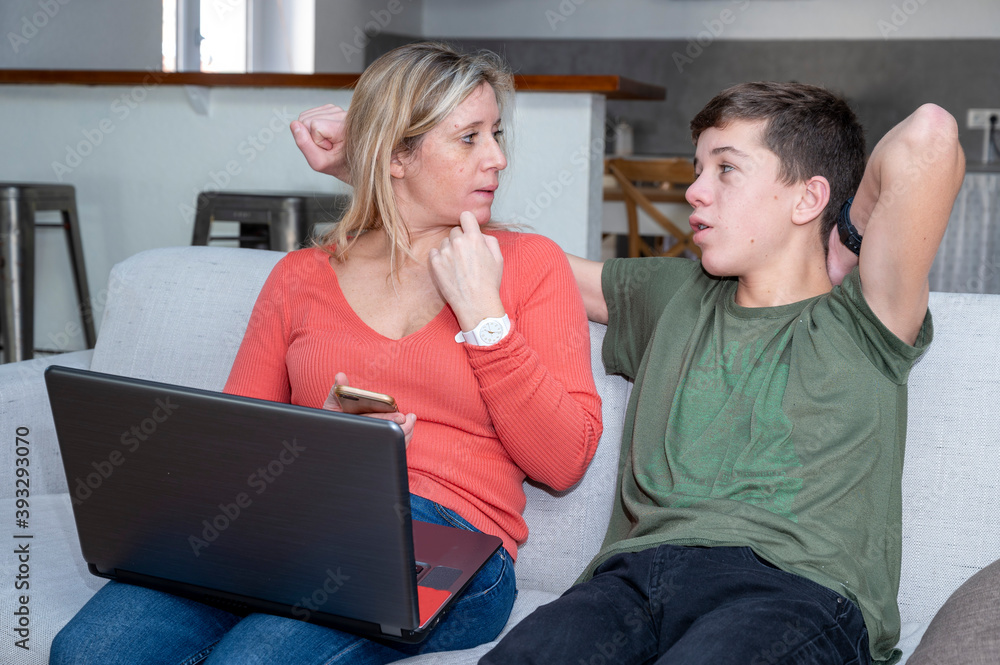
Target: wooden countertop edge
{"type": "Point", "coordinates": [613, 87]}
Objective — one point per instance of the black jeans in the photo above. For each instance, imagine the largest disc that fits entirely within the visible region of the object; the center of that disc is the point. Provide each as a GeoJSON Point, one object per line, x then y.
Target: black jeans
{"type": "Point", "coordinates": [690, 605]}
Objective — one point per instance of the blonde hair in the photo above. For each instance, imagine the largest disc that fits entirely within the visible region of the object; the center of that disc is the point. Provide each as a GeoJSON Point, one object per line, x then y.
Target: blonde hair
{"type": "Point", "coordinates": [398, 99]}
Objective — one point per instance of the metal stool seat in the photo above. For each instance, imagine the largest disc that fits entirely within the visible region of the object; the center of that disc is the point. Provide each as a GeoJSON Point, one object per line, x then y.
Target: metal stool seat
{"type": "Point", "coordinates": [18, 204]}
{"type": "Point", "coordinates": [281, 221]}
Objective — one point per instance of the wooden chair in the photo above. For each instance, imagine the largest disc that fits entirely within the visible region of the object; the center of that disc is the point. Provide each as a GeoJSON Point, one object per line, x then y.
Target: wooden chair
{"type": "Point", "coordinates": [644, 182]}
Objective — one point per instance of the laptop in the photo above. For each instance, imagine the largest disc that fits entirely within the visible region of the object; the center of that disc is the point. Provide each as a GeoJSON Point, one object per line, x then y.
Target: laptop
{"type": "Point", "coordinates": [255, 506]}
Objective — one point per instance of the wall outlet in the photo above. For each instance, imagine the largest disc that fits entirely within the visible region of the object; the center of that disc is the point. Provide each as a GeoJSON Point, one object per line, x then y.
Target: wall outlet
{"type": "Point", "coordinates": [980, 118]}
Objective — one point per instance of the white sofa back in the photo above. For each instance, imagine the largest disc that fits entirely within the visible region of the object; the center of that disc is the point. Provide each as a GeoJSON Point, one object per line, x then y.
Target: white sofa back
{"type": "Point", "coordinates": [951, 491]}
{"type": "Point", "coordinates": [178, 314]}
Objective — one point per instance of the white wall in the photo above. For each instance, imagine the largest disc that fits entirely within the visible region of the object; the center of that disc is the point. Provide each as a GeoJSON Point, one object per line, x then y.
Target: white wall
{"type": "Point", "coordinates": [343, 28]}
{"type": "Point", "coordinates": [552, 185]}
{"type": "Point", "coordinates": [139, 156]}
{"type": "Point", "coordinates": [81, 34]}
{"type": "Point", "coordinates": [722, 19]}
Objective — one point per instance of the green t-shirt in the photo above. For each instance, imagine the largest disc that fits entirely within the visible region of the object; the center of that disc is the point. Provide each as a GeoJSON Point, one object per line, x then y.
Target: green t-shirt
{"type": "Point", "coordinates": [778, 428]}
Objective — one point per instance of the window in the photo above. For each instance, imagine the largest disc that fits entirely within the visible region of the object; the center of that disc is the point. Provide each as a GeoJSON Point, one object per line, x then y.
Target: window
{"type": "Point", "coordinates": [169, 39]}
{"type": "Point", "coordinates": [224, 36]}
{"type": "Point", "coordinates": [239, 35]}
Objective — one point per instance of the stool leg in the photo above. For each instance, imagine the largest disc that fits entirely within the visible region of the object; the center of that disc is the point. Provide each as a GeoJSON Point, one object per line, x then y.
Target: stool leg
{"type": "Point", "coordinates": [72, 225]}
{"type": "Point", "coordinates": [202, 220]}
{"type": "Point", "coordinates": [286, 230]}
{"type": "Point", "coordinates": [18, 276]}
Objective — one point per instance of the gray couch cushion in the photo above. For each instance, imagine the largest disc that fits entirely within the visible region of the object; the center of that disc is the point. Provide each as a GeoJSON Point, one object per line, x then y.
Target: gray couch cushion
{"type": "Point", "coordinates": [949, 529]}
{"type": "Point", "coordinates": [24, 404]}
{"type": "Point", "coordinates": [967, 629]}
{"type": "Point", "coordinates": [178, 314]}
{"type": "Point", "coordinates": [565, 530]}
{"type": "Point", "coordinates": [59, 579]}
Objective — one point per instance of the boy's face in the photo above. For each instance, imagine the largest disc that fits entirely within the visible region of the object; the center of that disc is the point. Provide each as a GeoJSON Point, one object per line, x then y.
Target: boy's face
{"type": "Point", "coordinates": [742, 211]}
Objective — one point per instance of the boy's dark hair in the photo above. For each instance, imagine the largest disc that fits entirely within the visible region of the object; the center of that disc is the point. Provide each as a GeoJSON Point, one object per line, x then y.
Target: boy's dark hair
{"type": "Point", "coordinates": [811, 130]}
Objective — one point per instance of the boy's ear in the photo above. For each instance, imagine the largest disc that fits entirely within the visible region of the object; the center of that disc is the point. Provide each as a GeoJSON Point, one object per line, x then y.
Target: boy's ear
{"type": "Point", "coordinates": [814, 199]}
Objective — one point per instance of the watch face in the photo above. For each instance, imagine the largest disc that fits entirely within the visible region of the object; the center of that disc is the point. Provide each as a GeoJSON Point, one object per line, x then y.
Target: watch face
{"type": "Point", "coordinates": [491, 332]}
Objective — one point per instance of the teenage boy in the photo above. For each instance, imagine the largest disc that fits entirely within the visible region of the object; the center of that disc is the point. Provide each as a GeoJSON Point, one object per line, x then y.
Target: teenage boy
{"type": "Point", "coordinates": [758, 509]}
{"type": "Point", "coordinates": [758, 512]}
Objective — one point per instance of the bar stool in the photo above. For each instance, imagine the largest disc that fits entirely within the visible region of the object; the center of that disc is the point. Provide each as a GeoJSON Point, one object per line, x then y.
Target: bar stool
{"type": "Point", "coordinates": [18, 204]}
{"type": "Point", "coordinates": [281, 221]}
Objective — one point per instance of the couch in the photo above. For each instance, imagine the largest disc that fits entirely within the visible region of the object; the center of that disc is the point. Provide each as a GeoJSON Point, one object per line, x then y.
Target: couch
{"type": "Point", "coordinates": [178, 314]}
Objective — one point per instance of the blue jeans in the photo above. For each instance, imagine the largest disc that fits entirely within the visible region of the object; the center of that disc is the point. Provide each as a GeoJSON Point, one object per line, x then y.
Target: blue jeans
{"type": "Point", "coordinates": [689, 606]}
{"type": "Point", "coordinates": [129, 624]}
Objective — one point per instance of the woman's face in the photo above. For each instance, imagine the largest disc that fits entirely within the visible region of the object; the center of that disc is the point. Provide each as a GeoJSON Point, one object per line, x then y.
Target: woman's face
{"type": "Point", "coordinates": [455, 167]}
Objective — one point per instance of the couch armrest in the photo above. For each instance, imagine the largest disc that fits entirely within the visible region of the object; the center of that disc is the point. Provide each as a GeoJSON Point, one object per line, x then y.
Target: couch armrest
{"type": "Point", "coordinates": [24, 407]}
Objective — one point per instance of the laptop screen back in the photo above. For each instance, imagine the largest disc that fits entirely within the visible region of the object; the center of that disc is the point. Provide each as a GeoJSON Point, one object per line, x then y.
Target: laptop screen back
{"type": "Point", "coordinates": [291, 505]}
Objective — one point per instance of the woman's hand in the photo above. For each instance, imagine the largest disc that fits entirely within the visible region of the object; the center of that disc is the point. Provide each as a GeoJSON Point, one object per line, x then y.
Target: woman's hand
{"type": "Point", "coordinates": [467, 269]}
{"type": "Point", "coordinates": [319, 134]}
{"type": "Point", "coordinates": [405, 422]}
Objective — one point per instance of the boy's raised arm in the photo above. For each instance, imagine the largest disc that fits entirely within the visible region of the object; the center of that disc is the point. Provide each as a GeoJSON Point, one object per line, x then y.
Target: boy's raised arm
{"type": "Point", "coordinates": [901, 209]}
{"type": "Point", "coordinates": [588, 280]}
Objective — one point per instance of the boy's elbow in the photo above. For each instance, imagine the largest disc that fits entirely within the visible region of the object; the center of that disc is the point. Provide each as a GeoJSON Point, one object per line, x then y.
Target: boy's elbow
{"type": "Point", "coordinates": [931, 143]}
{"type": "Point", "coordinates": [936, 121]}
{"type": "Point", "coordinates": [934, 132]}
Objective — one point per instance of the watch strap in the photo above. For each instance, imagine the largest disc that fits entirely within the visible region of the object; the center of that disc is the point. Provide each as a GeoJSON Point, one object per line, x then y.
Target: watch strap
{"type": "Point", "coordinates": [848, 233]}
{"type": "Point", "coordinates": [474, 336]}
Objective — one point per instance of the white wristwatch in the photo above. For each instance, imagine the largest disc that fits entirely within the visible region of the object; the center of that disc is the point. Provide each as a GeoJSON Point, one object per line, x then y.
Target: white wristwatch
{"type": "Point", "coordinates": [488, 332]}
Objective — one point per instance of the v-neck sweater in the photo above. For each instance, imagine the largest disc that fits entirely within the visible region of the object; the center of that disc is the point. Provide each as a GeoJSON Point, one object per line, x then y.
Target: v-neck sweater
{"type": "Point", "coordinates": [487, 417]}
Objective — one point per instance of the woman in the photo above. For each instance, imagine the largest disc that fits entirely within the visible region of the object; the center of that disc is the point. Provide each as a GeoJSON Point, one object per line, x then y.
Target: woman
{"type": "Point", "coordinates": [480, 337]}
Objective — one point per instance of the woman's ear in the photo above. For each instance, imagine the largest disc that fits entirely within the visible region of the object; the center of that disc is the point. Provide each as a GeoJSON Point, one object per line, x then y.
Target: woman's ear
{"type": "Point", "coordinates": [397, 165]}
{"type": "Point", "coordinates": [814, 199]}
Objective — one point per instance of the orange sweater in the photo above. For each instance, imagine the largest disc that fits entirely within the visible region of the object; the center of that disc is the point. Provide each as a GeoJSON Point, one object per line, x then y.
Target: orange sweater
{"type": "Point", "coordinates": [486, 416]}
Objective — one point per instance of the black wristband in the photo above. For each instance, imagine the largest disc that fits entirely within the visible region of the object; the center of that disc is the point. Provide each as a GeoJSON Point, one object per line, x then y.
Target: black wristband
{"type": "Point", "coordinates": [848, 234]}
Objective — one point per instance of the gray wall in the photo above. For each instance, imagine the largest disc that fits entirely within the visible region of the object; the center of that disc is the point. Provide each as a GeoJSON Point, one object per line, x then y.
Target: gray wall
{"type": "Point", "coordinates": [345, 27]}
{"type": "Point", "coordinates": [81, 34]}
{"type": "Point", "coordinates": [724, 19]}
{"type": "Point", "coordinates": [284, 36]}
{"type": "Point", "coordinates": [883, 79]}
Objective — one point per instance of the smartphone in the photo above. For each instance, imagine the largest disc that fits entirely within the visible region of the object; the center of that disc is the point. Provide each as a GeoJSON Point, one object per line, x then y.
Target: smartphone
{"type": "Point", "coordinates": [356, 400]}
